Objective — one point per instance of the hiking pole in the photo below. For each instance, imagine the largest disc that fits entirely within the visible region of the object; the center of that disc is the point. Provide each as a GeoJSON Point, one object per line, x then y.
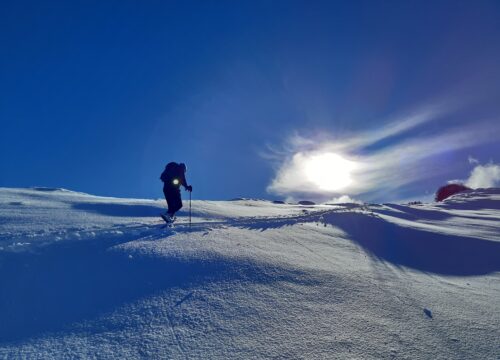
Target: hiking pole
{"type": "Point", "coordinates": [190, 209]}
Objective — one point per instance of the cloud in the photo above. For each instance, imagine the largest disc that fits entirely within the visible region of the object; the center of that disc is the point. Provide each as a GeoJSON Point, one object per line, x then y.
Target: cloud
{"type": "Point", "coordinates": [484, 176]}
{"type": "Point", "coordinates": [473, 160]}
{"type": "Point", "coordinates": [392, 156]}
{"type": "Point", "coordinates": [297, 174]}
{"type": "Point", "coordinates": [344, 199]}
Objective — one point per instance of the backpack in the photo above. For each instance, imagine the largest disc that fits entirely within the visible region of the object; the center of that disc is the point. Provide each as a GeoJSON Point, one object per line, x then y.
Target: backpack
{"type": "Point", "coordinates": [170, 170]}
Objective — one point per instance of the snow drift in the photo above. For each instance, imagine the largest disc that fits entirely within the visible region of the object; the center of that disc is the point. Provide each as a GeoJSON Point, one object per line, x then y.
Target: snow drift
{"type": "Point", "coordinates": [84, 276]}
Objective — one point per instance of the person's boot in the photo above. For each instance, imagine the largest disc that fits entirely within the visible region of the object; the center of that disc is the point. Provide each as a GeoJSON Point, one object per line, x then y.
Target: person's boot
{"type": "Point", "coordinates": [169, 219]}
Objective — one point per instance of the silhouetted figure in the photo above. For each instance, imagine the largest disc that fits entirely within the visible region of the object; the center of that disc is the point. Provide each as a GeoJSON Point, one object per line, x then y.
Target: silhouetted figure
{"type": "Point", "coordinates": [173, 177]}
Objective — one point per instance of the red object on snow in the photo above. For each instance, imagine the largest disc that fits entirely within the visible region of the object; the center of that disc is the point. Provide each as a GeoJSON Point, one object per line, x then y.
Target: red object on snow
{"type": "Point", "coordinates": [448, 190]}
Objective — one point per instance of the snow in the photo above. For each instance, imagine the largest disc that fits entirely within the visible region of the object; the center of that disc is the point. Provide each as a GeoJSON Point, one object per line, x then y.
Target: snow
{"type": "Point", "coordinates": [83, 276]}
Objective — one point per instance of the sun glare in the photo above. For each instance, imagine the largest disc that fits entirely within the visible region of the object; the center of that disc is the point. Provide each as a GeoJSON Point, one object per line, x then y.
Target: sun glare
{"type": "Point", "coordinates": [329, 171]}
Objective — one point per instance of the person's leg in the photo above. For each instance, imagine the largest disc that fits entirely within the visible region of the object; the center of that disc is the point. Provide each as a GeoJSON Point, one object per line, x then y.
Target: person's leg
{"type": "Point", "coordinates": [174, 201]}
{"type": "Point", "coordinates": [166, 194]}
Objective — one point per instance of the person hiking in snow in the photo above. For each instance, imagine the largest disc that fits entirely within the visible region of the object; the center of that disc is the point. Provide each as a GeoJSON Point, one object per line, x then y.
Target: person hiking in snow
{"type": "Point", "coordinates": [173, 177]}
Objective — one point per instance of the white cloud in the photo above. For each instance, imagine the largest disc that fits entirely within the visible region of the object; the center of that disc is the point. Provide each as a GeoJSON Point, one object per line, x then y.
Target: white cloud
{"type": "Point", "coordinates": [297, 175]}
{"type": "Point", "coordinates": [484, 176]}
{"type": "Point", "coordinates": [344, 199]}
{"type": "Point", "coordinates": [456, 181]}
{"type": "Point", "coordinates": [473, 160]}
{"type": "Point", "coordinates": [402, 160]}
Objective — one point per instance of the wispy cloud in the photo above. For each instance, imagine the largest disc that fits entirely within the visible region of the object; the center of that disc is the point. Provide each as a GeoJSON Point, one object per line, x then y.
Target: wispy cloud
{"type": "Point", "coordinates": [344, 199]}
{"type": "Point", "coordinates": [387, 158]}
{"type": "Point", "coordinates": [473, 160]}
{"type": "Point", "coordinates": [484, 176]}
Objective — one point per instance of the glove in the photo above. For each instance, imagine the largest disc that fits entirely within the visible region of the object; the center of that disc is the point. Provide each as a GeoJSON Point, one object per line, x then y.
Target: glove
{"type": "Point", "coordinates": [189, 188]}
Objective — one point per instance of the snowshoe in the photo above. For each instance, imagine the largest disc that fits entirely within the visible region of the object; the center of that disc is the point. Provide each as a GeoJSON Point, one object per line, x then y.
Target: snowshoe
{"type": "Point", "coordinates": [169, 220]}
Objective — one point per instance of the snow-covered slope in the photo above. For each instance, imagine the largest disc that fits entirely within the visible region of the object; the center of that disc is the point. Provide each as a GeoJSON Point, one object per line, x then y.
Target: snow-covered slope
{"type": "Point", "coordinates": [91, 277]}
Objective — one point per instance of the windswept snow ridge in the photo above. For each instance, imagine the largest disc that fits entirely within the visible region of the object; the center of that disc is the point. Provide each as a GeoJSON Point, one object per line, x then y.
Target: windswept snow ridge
{"type": "Point", "coordinates": [91, 277]}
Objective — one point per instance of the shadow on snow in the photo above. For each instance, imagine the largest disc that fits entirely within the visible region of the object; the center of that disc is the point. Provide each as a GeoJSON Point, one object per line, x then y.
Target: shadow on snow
{"type": "Point", "coordinates": [403, 246]}
{"type": "Point", "coordinates": [125, 210]}
{"type": "Point", "coordinates": [62, 284]}
{"type": "Point", "coordinates": [413, 213]}
{"type": "Point", "coordinates": [421, 250]}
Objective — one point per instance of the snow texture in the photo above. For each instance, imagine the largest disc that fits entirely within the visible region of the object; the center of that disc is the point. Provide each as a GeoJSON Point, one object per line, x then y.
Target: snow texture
{"type": "Point", "coordinates": [91, 277]}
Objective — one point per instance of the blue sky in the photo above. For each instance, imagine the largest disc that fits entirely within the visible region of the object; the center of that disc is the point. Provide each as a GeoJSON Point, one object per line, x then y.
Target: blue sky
{"type": "Point", "coordinates": [99, 96]}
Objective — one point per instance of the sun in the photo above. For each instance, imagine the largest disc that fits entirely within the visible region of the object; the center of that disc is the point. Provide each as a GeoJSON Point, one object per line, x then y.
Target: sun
{"type": "Point", "coordinates": [329, 171]}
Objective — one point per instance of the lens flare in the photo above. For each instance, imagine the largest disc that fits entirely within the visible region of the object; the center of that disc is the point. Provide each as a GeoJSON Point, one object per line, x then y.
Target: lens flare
{"type": "Point", "coordinates": [329, 171]}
